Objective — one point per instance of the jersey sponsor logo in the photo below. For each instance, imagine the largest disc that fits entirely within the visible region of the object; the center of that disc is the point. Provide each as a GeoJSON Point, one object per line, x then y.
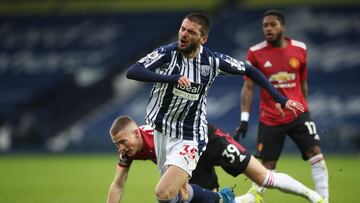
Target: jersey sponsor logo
{"type": "Point", "coordinates": [294, 63]}
{"type": "Point", "coordinates": [285, 85]}
{"type": "Point", "coordinates": [191, 93]}
{"type": "Point", "coordinates": [204, 70]}
{"type": "Point", "coordinates": [267, 64]}
{"type": "Point", "coordinates": [151, 58]}
{"type": "Point", "coordinates": [282, 77]}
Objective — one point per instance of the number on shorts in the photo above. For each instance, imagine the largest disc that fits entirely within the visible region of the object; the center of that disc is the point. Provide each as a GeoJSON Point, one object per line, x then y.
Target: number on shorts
{"type": "Point", "coordinates": [231, 152]}
{"type": "Point", "coordinates": [311, 127]}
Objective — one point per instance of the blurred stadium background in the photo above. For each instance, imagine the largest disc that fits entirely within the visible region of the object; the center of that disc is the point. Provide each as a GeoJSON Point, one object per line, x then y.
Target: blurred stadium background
{"type": "Point", "coordinates": [62, 66]}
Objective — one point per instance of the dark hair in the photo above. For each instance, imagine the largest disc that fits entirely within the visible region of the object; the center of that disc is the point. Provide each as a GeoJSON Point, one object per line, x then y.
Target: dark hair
{"type": "Point", "coordinates": [276, 13]}
{"type": "Point", "coordinates": [120, 123]}
{"type": "Point", "coordinates": [202, 20]}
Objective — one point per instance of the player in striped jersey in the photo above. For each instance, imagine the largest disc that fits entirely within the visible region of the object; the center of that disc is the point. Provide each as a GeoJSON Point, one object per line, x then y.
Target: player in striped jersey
{"type": "Point", "coordinates": [182, 72]}
{"type": "Point", "coordinates": [283, 61]}
{"type": "Point", "coordinates": [135, 142]}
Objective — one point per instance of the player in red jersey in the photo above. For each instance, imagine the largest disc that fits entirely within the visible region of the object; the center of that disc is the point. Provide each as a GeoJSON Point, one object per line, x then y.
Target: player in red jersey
{"type": "Point", "coordinates": [137, 143]}
{"type": "Point", "coordinates": [283, 61]}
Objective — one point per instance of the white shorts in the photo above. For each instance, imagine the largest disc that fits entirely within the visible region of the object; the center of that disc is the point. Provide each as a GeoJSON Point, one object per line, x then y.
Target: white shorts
{"type": "Point", "coordinates": [176, 152]}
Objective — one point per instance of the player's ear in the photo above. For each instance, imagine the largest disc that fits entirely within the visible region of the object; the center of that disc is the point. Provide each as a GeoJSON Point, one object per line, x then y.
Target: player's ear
{"type": "Point", "coordinates": [283, 27]}
{"type": "Point", "coordinates": [204, 39]}
{"type": "Point", "coordinates": [136, 131]}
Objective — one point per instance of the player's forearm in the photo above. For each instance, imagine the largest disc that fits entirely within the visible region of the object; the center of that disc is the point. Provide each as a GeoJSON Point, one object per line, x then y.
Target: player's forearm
{"type": "Point", "coordinates": [246, 96]}
{"type": "Point", "coordinates": [115, 194]}
{"type": "Point", "coordinates": [138, 72]}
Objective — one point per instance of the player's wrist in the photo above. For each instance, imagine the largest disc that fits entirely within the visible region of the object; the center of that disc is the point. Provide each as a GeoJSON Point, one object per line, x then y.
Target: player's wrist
{"type": "Point", "coordinates": [245, 116]}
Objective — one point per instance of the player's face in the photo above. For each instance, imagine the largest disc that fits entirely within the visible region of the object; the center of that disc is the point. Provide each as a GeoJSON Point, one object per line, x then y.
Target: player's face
{"type": "Point", "coordinates": [128, 142]}
{"type": "Point", "coordinates": [272, 28]}
{"type": "Point", "coordinates": [189, 36]}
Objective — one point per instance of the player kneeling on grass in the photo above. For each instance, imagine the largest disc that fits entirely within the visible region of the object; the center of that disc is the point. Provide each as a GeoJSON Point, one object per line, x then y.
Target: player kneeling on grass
{"type": "Point", "coordinates": [136, 143]}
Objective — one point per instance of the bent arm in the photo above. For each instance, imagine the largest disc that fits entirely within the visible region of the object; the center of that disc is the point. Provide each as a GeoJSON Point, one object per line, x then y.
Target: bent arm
{"type": "Point", "coordinates": [117, 186]}
{"type": "Point", "coordinates": [259, 78]}
{"type": "Point", "coordinates": [232, 66]}
{"type": "Point", "coordinates": [138, 72]}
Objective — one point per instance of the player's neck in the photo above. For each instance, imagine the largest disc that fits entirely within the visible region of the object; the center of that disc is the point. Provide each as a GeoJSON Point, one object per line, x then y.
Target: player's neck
{"type": "Point", "coordinates": [192, 54]}
{"type": "Point", "coordinates": [280, 43]}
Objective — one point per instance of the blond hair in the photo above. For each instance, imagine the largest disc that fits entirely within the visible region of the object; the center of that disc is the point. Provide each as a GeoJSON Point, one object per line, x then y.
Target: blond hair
{"type": "Point", "coordinates": [120, 123]}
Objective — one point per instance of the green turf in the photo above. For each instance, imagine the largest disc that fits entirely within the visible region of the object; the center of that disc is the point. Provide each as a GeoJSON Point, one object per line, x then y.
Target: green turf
{"type": "Point", "coordinates": [86, 178]}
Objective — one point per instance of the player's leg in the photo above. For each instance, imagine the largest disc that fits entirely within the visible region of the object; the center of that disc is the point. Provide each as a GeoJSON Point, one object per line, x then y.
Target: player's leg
{"type": "Point", "coordinates": [306, 138]}
{"type": "Point", "coordinates": [265, 178]}
{"type": "Point", "coordinates": [170, 184]}
{"type": "Point", "coordinates": [320, 175]}
{"type": "Point", "coordinates": [224, 151]}
{"type": "Point", "coordinates": [270, 143]}
{"type": "Point", "coordinates": [197, 194]}
{"type": "Point", "coordinates": [204, 175]}
{"type": "Point", "coordinates": [181, 159]}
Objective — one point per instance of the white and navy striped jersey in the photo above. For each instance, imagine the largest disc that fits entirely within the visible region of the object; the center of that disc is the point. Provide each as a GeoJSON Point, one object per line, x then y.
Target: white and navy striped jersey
{"type": "Point", "coordinates": [180, 111]}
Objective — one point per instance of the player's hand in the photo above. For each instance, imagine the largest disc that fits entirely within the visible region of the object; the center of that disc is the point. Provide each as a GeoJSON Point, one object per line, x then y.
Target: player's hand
{"type": "Point", "coordinates": [241, 130]}
{"type": "Point", "coordinates": [291, 105]}
{"type": "Point", "coordinates": [185, 81]}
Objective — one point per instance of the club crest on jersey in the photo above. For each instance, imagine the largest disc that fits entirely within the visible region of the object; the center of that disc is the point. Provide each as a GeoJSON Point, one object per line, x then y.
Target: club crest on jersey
{"type": "Point", "coordinates": [204, 70]}
{"type": "Point", "coordinates": [294, 62]}
{"type": "Point", "coordinates": [191, 93]}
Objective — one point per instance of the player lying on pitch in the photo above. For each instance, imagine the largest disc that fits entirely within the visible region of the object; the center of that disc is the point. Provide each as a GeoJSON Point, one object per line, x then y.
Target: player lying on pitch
{"type": "Point", "coordinates": [136, 143]}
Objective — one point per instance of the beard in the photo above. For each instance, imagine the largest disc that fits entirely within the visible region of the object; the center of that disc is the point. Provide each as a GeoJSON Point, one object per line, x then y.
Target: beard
{"type": "Point", "coordinates": [276, 39]}
{"type": "Point", "coordinates": [189, 49]}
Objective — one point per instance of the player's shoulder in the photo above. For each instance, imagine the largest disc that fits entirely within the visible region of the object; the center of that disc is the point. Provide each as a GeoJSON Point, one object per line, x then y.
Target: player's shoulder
{"type": "Point", "coordinates": [168, 48]}
{"type": "Point", "coordinates": [147, 130]}
{"type": "Point", "coordinates": [298, 44]}
{"type": "Point", "coordinates": [258, 46]}
{"type": "Point", "coordinates": [206, 52]}
{"type": "Point", "coordinates": [145, 127]}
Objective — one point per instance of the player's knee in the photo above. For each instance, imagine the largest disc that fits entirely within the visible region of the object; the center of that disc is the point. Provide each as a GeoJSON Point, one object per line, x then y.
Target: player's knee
{"type": "Point", "coordinates": [163, 193]}
{"type": "Point", "coordinates": [312, 152]}
{"type": "Point", "coordinates": [271, 165]}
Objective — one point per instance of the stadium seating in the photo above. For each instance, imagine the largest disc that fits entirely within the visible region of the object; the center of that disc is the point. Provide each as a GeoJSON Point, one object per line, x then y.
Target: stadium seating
{"type": "Point", "coordinates": [58, 68]}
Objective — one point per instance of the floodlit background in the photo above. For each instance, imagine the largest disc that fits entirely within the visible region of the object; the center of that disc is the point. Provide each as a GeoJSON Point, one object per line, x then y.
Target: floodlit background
{"type": "Point", "coordinates": [62, 66]}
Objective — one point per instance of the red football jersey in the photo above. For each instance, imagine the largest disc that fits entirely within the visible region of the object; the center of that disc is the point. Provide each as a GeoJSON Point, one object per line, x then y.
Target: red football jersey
{"type": "Point", "coordinates": [148, 152]}
{"type": "Point", "coordinates": [285, 68]}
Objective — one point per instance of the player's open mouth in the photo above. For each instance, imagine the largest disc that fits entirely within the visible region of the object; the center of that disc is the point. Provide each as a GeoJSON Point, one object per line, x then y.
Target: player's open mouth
{"type": "Point", "coordinates": [182, 42]}
{"type": "Point", "coordinates": [124, 152]}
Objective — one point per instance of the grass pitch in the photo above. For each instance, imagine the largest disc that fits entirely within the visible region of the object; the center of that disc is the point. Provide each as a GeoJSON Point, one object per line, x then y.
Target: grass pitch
{"type": "Point", "coordinates": [85, 178]}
